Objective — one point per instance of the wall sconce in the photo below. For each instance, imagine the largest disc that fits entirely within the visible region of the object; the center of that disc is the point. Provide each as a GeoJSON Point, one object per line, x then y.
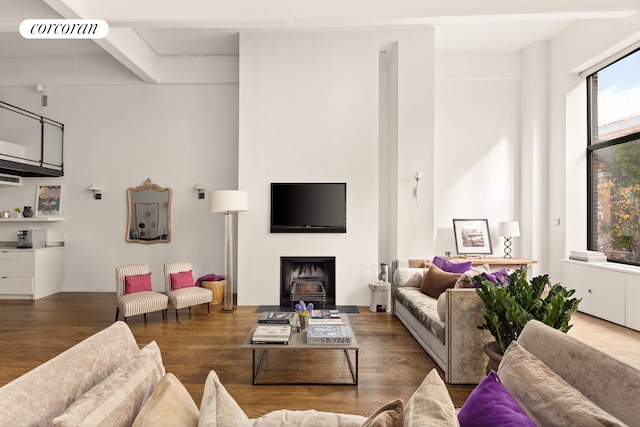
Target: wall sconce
{"type": "Point", "coordinates": [200, 188]}
{"type": "Point", "coordinates": [508, 230]}
{"type": "Point", "coordinates": [43, 97]}
{"type": "Point", "coordinates": [97, 192]}
{"type": "Point", "coordinates": [418, 177]}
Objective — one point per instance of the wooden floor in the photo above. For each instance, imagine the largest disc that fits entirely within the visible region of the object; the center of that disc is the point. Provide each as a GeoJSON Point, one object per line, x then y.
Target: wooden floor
{"type": "Point", "coordinates": [391, 364]}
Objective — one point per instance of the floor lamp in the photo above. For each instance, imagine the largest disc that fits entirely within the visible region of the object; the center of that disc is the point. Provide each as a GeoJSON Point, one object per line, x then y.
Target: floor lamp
{"type": "Point", "coordinates": [228, 201]}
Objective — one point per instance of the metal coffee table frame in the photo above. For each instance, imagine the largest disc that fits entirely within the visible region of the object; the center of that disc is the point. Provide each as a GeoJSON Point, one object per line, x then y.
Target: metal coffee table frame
{"type": "Point", "coordinates": [299, 341]}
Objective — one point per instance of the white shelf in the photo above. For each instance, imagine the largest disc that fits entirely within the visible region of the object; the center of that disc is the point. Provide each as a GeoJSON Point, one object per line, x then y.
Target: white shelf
{"type": "Point", "coordinates": [38, 219]}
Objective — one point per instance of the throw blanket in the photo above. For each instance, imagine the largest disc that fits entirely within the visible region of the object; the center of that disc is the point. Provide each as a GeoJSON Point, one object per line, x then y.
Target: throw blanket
{"type": "Point", "coordinates": [209, 278]}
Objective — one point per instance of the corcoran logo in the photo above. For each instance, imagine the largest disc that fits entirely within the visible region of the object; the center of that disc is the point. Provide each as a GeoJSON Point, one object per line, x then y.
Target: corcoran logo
{"type": "Point", "coordinates": [64, 28]}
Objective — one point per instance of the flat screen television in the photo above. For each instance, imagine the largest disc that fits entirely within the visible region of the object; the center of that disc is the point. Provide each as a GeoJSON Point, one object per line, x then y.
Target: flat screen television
{"type": "Point", "coordinates": [308, 207]}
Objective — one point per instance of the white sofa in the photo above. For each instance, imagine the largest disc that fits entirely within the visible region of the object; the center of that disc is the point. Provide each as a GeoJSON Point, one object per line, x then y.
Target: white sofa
{"type": "Point", "coordinates": [451, 337]}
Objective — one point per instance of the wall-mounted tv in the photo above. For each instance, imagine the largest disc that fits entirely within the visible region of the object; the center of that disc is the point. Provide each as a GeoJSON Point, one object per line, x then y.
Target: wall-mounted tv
{"type": "Point", "coordinates": [308, 207]}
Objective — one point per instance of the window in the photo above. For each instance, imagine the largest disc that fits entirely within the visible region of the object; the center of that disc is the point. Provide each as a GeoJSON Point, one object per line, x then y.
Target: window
{"type": "Point", "coordinates": [614, 160]}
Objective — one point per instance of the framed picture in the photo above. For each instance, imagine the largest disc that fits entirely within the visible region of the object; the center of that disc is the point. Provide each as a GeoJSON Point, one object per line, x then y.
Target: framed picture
{"type": "Point", "coordinates": [472, 236]}
{"type": "Point", "coordinates": [49, 201]}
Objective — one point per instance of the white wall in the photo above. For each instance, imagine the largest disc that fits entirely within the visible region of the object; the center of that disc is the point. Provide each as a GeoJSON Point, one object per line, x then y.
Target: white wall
{"type": "Point", "coordinates": [116, 137]}
{"type": "Point", "coordinates": [575, 50]}
{"type": "Point", "coordinates": [477, 140]}
{"type": "Point", "coordinates": [309, 112]}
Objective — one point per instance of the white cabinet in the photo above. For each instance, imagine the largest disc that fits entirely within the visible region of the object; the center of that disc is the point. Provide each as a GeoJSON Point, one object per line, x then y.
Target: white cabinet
{"type": "Point", "coordinates": [633, 297]}
{"type": "Point", "coordinates": [607, 290]}
{"type": "Point", "coordinates": [30, 273]}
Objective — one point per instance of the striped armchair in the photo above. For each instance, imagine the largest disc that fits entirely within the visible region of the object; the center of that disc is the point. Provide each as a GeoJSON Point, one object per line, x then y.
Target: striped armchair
{"type": "Point", "coordinates": [135, 303]}
{"type": "Point", "coordinates": [185, 296]}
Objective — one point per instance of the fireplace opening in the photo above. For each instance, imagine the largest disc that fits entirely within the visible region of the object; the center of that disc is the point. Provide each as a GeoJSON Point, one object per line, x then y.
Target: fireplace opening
{"type": "Point", "coordinates": [311, 279]}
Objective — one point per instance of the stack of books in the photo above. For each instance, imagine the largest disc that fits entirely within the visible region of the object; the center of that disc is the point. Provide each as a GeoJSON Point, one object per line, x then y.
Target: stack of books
{"type": "Point", "coordinates": [278, 318]}
{"type": "Point", "coordinates": [588, 256]}
{"type": "Point", "coordinates": [271, 334]}
{"type": "Point", "coordinates": [325, 317]}
{"type": "Point", "coordinates": [329, 334]}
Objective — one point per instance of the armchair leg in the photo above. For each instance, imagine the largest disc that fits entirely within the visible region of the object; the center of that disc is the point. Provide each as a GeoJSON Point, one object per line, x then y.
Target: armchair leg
{"type": "Point", "coordinates": [177, 319]}
{"type": "Point", "coordinates": [208, 308]}
{"type": "Point", "coordinates": [164, 315]}
{"type": "Point", "coordinates": [117, 313]}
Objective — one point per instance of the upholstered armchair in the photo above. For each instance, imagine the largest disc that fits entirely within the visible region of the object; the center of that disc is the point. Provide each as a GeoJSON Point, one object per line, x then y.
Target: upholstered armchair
{"type": "Point", "coordinates": [134, 293]}
{"type": "Point", "coordinates": [181, 289]}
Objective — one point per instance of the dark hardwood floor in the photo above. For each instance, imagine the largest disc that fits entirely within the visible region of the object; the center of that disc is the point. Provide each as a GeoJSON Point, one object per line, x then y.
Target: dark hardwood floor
{"type": "Point", "coordinates": [391, 363]}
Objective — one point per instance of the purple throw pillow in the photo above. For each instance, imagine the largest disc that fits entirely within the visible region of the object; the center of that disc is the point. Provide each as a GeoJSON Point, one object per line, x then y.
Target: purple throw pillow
{"type": "Point", "coordinates": [490, 404]}
{"type": "Point", "coordinates": [494, 276]}
{"type": "Point", "coordinates": [450, 266]}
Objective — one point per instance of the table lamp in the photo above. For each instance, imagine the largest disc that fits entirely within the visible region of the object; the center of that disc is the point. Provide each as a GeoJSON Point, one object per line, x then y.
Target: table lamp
{"type": "Point", "coordinates": [508, 230]}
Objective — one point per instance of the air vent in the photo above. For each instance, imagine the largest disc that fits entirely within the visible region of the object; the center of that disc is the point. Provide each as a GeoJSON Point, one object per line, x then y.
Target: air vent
{"type": "Point", "coordinates": [10, 179]}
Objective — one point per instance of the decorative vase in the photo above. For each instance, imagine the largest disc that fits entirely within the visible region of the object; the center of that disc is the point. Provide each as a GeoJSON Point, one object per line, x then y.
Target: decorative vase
{"type": "Point", "coordinates": [27, 212]}
{"type": "Point", "coordinates": [304, 322]}
{"type": "Point", "coordinates": [492, 349]}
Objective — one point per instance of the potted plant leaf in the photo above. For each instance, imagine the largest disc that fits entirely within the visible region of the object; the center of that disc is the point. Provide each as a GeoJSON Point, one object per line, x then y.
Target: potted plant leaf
{"type": "Point", "coordinates": [512, 302]}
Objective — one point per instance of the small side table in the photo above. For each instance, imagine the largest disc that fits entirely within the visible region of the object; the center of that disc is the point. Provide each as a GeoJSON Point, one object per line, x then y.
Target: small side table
{"type": "Point", "coordinates": [217, 289]}
{"type": "Point", "coordinates": [380, 297]}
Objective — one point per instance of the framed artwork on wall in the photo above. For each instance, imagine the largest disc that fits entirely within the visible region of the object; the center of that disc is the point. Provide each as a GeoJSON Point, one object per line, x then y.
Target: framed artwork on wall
{"type": "Point", "coordinates": [49, 201]}
{"type": "Point", "coordinates": [472, 236]}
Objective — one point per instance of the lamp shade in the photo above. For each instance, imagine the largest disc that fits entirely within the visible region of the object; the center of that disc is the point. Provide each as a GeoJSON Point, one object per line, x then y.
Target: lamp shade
{"type": "Point", "coordinates": [228, 201]}
{"type": "Point", "coordinates": [509, 229]}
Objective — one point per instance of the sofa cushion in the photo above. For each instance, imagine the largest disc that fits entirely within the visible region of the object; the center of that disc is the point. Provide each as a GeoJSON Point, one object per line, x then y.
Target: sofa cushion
{"type": "Point", "coordinates": [601, 384]}
{"type": "Point", "coordinates": [544, 395]}
{"type": "Point", "coordinates": [389, 415]}
{"type": "Point", "coordinates": [105, 351]}
{"type": "Point", "coordinates": [311, 417]}
{"type": "Point", "coordinates": [423, 308]}
{"type": "Point", "coordinates": [436, 281]}
{"type": "Point", "coordinates": [450, 266]}
{"type": "Point", "coordinates": [494, 276]}
{"type": "Point", "coordinates": [430, 404]}
{"type": "Point", "coordinates": [169, 405]}
{"type": "Point", "coordinates": [491, 404]}
{"type": "Point", "coordinates": [466, 279]}
{"type": "Point", "coordinates": [183, 279]}
{"type": "Point", "coordinates": [117, 400]}
{"type": "Point", "coordinates": [442, 306]}
{"type": "Point", "coordinates": [218, 408]}
{"type": "Point", "coordinates": [408, 277]}
{"type": "Point", "coordinates": [137, 283]}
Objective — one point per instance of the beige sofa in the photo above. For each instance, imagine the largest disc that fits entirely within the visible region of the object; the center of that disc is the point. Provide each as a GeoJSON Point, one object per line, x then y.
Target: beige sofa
{"type": "Point", "coordinates": [449, 335]}
{"type": "Point", "coordinates": [107, 380]}
{"type": "Point", "coordinates": [560, 381]}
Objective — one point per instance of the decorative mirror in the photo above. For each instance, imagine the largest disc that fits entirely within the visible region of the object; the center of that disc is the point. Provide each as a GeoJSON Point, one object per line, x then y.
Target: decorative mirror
{"type": "Point", "coordinates": [149, 214]}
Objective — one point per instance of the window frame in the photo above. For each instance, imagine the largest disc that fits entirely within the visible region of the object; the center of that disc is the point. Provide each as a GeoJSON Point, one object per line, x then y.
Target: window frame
{"type": "Point", "coordinates": [593, 145]}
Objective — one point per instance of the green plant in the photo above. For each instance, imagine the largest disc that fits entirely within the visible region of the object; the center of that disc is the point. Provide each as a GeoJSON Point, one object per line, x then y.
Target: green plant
{"type": "Point", "coordinates": [512, 302]}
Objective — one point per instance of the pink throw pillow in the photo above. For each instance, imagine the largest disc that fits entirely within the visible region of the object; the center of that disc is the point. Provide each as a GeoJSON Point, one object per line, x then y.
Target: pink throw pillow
{"type": "Point", "coordinates": [183, 279]}
{"type": "Point", "coordinates": [138, 283]}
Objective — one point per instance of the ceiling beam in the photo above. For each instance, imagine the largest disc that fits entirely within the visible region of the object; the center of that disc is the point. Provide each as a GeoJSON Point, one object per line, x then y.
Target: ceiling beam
{"type": "Point", "coordinates": [275, 14]}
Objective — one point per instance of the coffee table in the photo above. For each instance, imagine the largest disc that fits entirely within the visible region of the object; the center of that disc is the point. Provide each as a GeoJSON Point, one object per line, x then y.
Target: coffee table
{"type": "Point", "coordinates": [298, 344]}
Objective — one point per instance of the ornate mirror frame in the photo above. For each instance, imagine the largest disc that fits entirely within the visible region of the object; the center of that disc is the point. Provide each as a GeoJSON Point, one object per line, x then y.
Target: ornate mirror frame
{"type": "Point", "coordinates": [148, 214]}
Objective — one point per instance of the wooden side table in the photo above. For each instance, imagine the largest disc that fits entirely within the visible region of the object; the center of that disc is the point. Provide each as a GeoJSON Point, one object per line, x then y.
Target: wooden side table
{"type": "Point", "coordinates": [495, 263]}
{"type": "Point", "coordinates": [217, 288]}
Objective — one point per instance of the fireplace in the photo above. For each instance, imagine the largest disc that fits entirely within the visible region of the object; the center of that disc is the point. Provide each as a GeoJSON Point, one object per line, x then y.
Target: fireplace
{"type": "Point", "coordinates": [312, 279]}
